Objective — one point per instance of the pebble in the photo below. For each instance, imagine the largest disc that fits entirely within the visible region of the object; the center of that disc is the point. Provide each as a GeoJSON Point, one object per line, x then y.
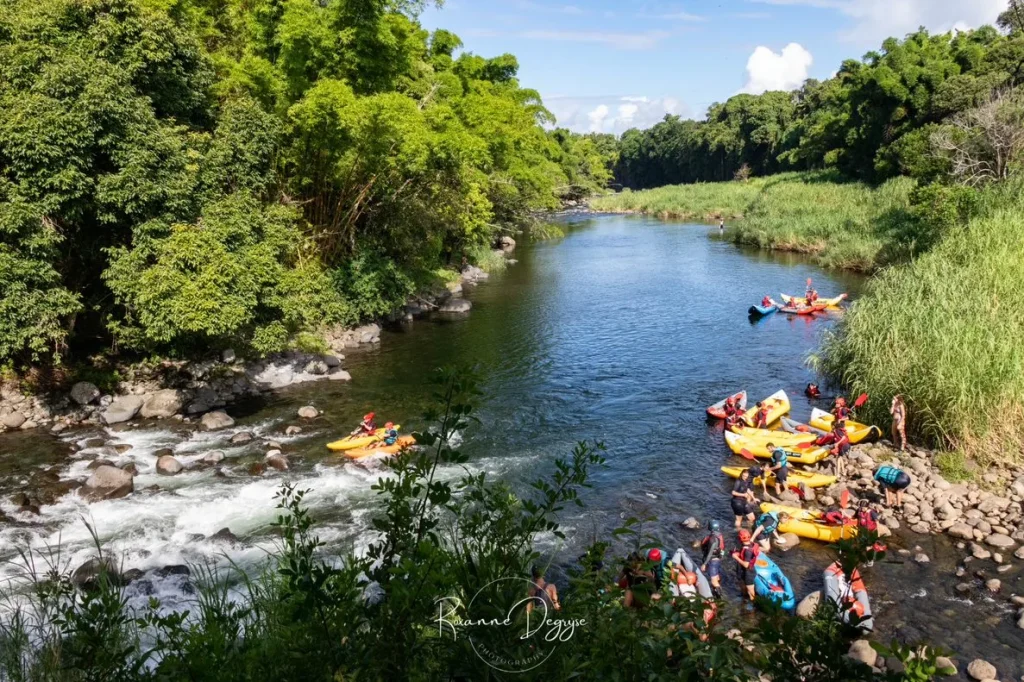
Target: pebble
{"type": "Point", "coordinates": [993, 584]}
{"type": "Point", "coordinates": [981, 670]}
{"type": "Point", "coordinates": [921, 558]}
{"type": "Point", "coordinates": [292, 430]}
{"type": "Point", "coordinates": [943, 663]}
{"type": "Point", "coordinates": [861, 651]}
{"type": "Point", "coordinates": [309, 412]}
{"type": "Point", "coordinates": [691, 523]}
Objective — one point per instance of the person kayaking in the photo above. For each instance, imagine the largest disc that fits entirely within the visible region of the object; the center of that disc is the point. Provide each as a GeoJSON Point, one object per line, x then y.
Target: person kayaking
{"type": "Point", "coordinates": [731, 406]}
{"type": "Point", "coordinates": [745, 556]}
{"type": "Point", "coordinates": [761, 417]}
{"type": "Point", "coordinates": [390, 434]}
{"type": "Point", "coordinates": [812, 391]}
{"type": "Point", "coordinates": [767, 302]}
{"type": "Point", "coordinates": [542, 592]}
{"type": "Point", "coordinates": [810, 295]}
{"type": "Point", "coordinates": [713, 546]}
{"type": "Point", "coordinates": [894, 481]}
{"type": "Point", "coordinates": [898, 410]}
{"type": "Point", "coordinates": [779, 466]}
{"type": "Point", "coordinates": [734, 420]}
{"type": "Point", "coordinates": [767, 528]}
{"type": "Point", "coordinates": [840, 410]}
{"type": "Point", "coordinates": [366, 427]}
{"type": "Point", "coordinates": [743, 498]}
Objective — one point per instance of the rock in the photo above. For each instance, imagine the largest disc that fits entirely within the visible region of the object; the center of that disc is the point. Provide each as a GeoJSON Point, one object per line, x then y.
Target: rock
{"type": "Point", "coordinates": [339, 375]}
{"type": "Point", "coordinates": [162, 404]}
{"type": "Point", "coordinates": [691, 523]}
{"type": "Point", "coordinates": [309, 412]}
{"type": "Point", "coordinates": [107, 483]}
{"type": "Point", "coordinates": [228, 355]}
{"type": "Point", "coordinates": [506, 244]}
{"type": "Point", "coordinates": [1020, 621]}
{"type": "Point", "coordinates": [84, 393]}
{"type": "Point", "coordinates": [213, 457]}
{"type": "Point", "coordinates": [278, 461]}
{"type": "Point", "coordinates": [455, 305]}
{"type": "Point", "coordinates": [979, 552]}
{"type": "Point", "coordinates": [993, 584]}
{"type": "Point", "coordinates": [131, 575]}
{"type": "Point", "coordinates": [331, 361]}
{"type": "Point", "coordinates": [963, 588]}
{"type": "Point", "coordinates": [225, 535]}
{"type": "Point", "coordinates": [218, 419]}
{"type": "Point", "coordinates": [789, 496]}
{"type": "Point", "coordinates": [131, 468]}
{"type": "Point", "coordinates": [861, 651]}
{"type": "Point", "coordinates": [121, 448]}
{"type": "Point", "coordinates": [89, 574]}
{"type": "Point", "coordinates": [293, 430]}
{"type": "Point", "coordinates": [315, 367]}
{"type": "Point", "coordinates": [13, 420]}
{"type": "Point", "coordinates": [982, 670]}
{"type": "Point", "coordinates": [945, 666]}
{"type": "Point", "coordinates": [123, 408]}
{"type": "Point", "coordinates": [962, 531]}
{"type": "Point", "coordinates": [993, 504]}
{"type": "Point", "coordinates": [241, 438]}
{"type": "Point", "coordinates": [999, 541]}
{"type": "Point", "coordinates": [173, 569]}
{"type": "Point", "coordinates": [257, 469]}
{"type": "Point", "coordinates": [792, 540]}
{"type": "Point", "coordinates": [809, 604]}
{"type": "Point", "coordinates": [97, 463]}
{"type": "Point", "coordinates": [1017, 600]}
{"type": "Point", "coordinates": [168, 466]}
{"type": "Point", "coordinates": [921, 558]}
{"type": "Point", "coordinates": [1019, 554]}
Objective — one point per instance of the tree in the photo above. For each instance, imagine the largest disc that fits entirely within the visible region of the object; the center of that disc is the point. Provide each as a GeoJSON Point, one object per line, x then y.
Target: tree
{"type": "Point", "coordinates": [984, 144]}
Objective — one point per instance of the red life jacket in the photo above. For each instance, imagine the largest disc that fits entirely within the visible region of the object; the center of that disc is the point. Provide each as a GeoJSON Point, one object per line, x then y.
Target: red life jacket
{"type": "Point", "coordinates": [866, 519]}
{"type": "Point", "coordinates": [761, 418]}
{"type": "Point", "coordinates": [834, 517]}
{"type": "Point", "coordinates": [749, 553]}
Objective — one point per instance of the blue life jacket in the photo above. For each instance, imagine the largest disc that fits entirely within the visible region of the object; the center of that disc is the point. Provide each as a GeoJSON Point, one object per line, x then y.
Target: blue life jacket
{"type": "Point", "coordinates": [887, 474]}
{"type": "Point", "coordinates": [769, 521]}
{"type": "Point", "coordinates": [780, 457]}
{"type": "Point", "coordinates": [390, 437]}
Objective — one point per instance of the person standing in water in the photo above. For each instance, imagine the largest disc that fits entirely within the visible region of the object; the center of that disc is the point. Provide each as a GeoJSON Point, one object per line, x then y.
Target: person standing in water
{"type": "Point", "coordinates": [898, 409]}
{"type": "Point", "coordinates": [743, 498]}
{"type": "Point", "coordinates": [714, 551]}
{"type": "Point", "coordinates": [721, 226]}
{"type": "Point", "coordinates": [745, 556]}
{"type": "Point", "coordinates": [542, 591]}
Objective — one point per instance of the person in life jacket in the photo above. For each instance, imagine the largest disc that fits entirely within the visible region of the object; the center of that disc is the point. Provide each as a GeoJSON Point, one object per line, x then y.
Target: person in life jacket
{"type": "Point", "coordinates": [660, 560]}
{"type": "Point", "coordinates": [894, 481]}
{"type": "Point", "coordinates": [840, 445]}
{"type": "Point", "coordinates": [745, 556]}
{"type": "Point", "coordinates": [812, 391]}
{"type": "Point", "coordinates": [779, 466]}
{"type": "Point", "coordinates": [743, 498]}
{"type": "Point", "coordinates": [768, 528]}
{"type": "Point", "coordinates": [767, 302]}
{"type": "Point", "coordinates": [730, 406]}
{"type": "Point", "coordinates": [867, 518]}
{"type": "Point", "coordinates": [390, 434]}
{"type": "Point", "coordinates": [366, 427]}
{"type": "Point", "coordinates": [713, 546]}
{"type": "Point", "coordinates": [810, 295]}
{"type": "Point", "coordinates": [761, 417]}
{"type": "Point", "coordinates": [734, 420]}
{"type": "Point", "coordinates": [840, 410]}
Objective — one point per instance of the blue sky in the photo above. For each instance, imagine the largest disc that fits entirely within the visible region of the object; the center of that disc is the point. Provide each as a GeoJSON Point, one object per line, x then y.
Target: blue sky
{"type": "Point", "coordinates": [605, 65]}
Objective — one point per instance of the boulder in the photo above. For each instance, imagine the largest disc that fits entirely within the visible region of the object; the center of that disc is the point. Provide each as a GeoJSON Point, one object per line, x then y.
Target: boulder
{"type": "Point", "coordinates": [13, 420]}
{"type": "Point", "coordinates": [162, 404]}
{"type": "Point", "coordinates": [979, 552]}
{"type": "Point", "coordinates": [168, 466]}
{"type": "Point", "coordinates": [97, 463]}
{"type": "Point", "coordinates": [88, 574]}
{"type": "Point", "coordinates": [809, 604]}
{"type": "Point", "coordinates": [131, 468]}
{"type": "Point", "coordinates": [228, 355]}
{"type": "Point", "coordinates": [213, 457]}
{"type": "Point", "coordinates": [293, 430]}
{"type": "Point", "coordinates": [163, 451]}
{"type": "Point", "coordinates": [218, 419]}
{"type": "Point", "coordinates": [1000, 541]}
{"type": "Point", "coordinates": [241, 438]}
{"type": "Point", "coordinates": [278, 461]}
{"type": "Point", "coordinates": [455, 305]}
{"type": "Point", "coordinates": [507, 244]}
{"type": "Point", "coordinates": [1019, 554]}
{"type": "Point", "coordinates": [993, 504]}
{"type": "Point", "coordinates": [225, 535]}
{"type": "Point", "coordinates": [107, 483]}
{"type": "Point", "coordinates": [123, 408]}
{"type": "Point", "coordinates": [84, 393]}
{"type": "Point", "coordinates": [315, 367]}
{"type": "Point", "coordinates": [861, 651]}
{"type": "Point", "coordinates": [309, 412]}
{"type": "Point", "coordinates": [945, 666]}
{"type": "Point", "coordinates": [331, 361]}
{"type": "Point", "coordinates": [690, 523]}
{"type": "Point", "coordinates": [121, 448]}
{"type": "Point", "coordinates": [981, 670]}
{"type": "Point", "coordinates": [962, 531]}
{"type": "Point", "coordinates": [339, 375]}
{"type": "Point", "coordinates": [792, 540]}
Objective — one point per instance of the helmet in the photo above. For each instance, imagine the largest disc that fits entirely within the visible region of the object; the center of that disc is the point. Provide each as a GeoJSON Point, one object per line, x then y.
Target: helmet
{"type": "Point", "coordinates": [389, 425]}
{"type": "Point", "coordinates": [744, 535]}
{"type": "Point", "coordinates": [714, 526]}
{"type": "Point", "coordinates": [368, 416]}
{"type": "Point", "coordinates": [654, 554]}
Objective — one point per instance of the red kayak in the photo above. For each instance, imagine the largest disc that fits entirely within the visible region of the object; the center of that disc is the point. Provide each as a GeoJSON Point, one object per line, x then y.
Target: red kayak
{"type": "Point", "coordinates": [804, 310]}
{"type": "Point", "coordinates": [718, 409]}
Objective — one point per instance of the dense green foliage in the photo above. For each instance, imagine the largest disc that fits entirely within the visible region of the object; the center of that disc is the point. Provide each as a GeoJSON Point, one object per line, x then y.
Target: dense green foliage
{"type": "Point", "coordinates": [181, 174]}
{"type": "Point", "coordinates": [871, 121]}
{"type": "Point", "coordinates": [314, 615]}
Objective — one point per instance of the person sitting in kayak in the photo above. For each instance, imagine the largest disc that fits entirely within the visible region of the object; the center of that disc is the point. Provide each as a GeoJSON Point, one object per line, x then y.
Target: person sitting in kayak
{"type": "Point", "coordinates": [810, 294]}
{"type": "Point", "coordinates": [894, 481]}
{"type": "Point", "coordinates": [366, 427]}
{"type": "Point", "coordinates": [730, 407]}
{"type": "Point", "coordinates": [767, 302]}
{"type": "Point", "coordinates": [768, 528]}
{"type": "Point", "coordinates": [779, 466]}
{"type": "Point", "coordinates": [390, 435]}
{"type": "Point", "coordinates": [761, 417]}
{"type": "Point", "coordinates": [812, 391]}
{"type": "Point", "coordinates": [734, 420]}
{"type": "Point", "coordinates": [743, 498]}
{"type": "Point", "coordinates": [841, 411]}
{"type": "Point", "coordinates": [714, 551]}
{"type": "Point", "coordinates": [745, 556]}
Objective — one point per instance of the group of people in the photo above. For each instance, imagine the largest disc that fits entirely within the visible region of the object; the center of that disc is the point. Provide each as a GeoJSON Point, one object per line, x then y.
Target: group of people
{"type": "Point", "coordinates": [367, 427]}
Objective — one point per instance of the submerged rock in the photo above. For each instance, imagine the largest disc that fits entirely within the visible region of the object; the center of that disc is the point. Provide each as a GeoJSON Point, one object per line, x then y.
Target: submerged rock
{"type": "Point", "coordinates": [309, 412]}
{"type": "Point", "coordinates": [809, 604]}
{"type": "Point", "coordinates": [455, 305]}
{"type": "Point", "coordinates": [108, 483]}
{"type": "Point", "coordinates": [218, 419]}
{"type": "Point", "coordinates": [241, 438]}
{"type": "Point", "coordinates": [88, 574]}
{"type": "Point", "coordinates": [168, 466]}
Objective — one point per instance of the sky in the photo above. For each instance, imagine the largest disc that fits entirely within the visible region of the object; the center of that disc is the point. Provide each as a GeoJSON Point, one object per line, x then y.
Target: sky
{"type": "Point", "coordinates": [606, 65]}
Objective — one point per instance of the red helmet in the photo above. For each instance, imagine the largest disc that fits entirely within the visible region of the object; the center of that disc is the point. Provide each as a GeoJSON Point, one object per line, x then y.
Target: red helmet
{"type": "Point", "coordinates": [744, 535]}
{"type": "Point", "coordinates": [654, 554]}
{"type": "Point", "coordinates": [368, 416]}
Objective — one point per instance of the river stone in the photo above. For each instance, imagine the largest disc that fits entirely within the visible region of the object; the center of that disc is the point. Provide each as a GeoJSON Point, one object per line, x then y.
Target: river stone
{"type": "Point", "coordinates": [921, 558]}
{"type": "Point", "coordinates": [332, 361]}
{"type": "Point", "coordinates": [162, 404]}
{"type": "Point", "coordinates": [1019, 554]}
{"type": "Point", "coordinates": [979, 552]}
{"type": "Point", "coordinates": [162, 451]}
{"type": "Point", "coordinates": [13, 420]}
{"type": "Point", "coordinates": [107, 483]}
{"type": "Point", "coordinates": [690, 523]}
{"type": "Point", "coordinates": [809, 604]}
{"type": "Point", "coordinates": [123, 408]}
{"type": "Point", "coordinates": [309, 412]}
{"type": "Point", "coordinates": [278, 461]}
{"type": "Point", "coordinates": [213, 457]}
{"type": "Point", "coordinates": [228, 356]}
{"type": "Point", "coordinates": [257, 469]}
{"type": "Point", "coordinates": [339, 375]}
{"type": "Point", "coordinates": [293, 430]}
{"type": "Point", "coordinates": [962, 531]}
{"type": "Point", "coordinates": [792, 540]}
{"type": "Point", "coordinates": [168, 466]}
{"type": "Point", "coordinates": [945, 666]}
{"type": "Point", "coordinates": [455, 305]}
{"type": "Point", "coordinates": [861, 651]}
{"type": "Point", "coordinates": [315, 367]}
{"type": "Point", "coordinates": [982, 670]}
{"type": "Point", "coordinates": [999, 541]}
{"type": "Point", "coordinates": [131, 468]}
{"type": "Point", "coordinates": [84, 393]}
{"type": "Point", "coordinates": [225, 535]}
{"type": "Point", "coordinates": [993, 584]}
{"type": "Point", "coordinates": [88, 574]}
{"type": "Point", "coordinates": [993, 504]}
{"type": "Point", "coordinates": [218, 419]}
{"type": "Point", "coordinates": [241, 438]}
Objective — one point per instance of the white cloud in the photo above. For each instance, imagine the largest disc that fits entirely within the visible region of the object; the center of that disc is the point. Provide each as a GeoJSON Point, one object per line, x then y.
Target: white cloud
{"type": "Point", "coordinates": [767, 70]}
{"type": "Point", "coordinates": [613, 113]}
{"type": "Point", "coordinates": [624, 41]}
{"type": "Point", "coordinates": [876, 20]}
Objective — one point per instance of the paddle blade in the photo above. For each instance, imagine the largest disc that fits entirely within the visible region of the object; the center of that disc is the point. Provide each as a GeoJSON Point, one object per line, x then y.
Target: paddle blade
{"type": "Point", "coordinates": [861, 399]}
{"type": "Point", "coordinates": [844, 499]}
{"type": "Point", "coordinates": [803, 428]}
{"type": "Point", "coordinates": [747, 454]}
{"type": "Point", "coordinates": [806, 446]}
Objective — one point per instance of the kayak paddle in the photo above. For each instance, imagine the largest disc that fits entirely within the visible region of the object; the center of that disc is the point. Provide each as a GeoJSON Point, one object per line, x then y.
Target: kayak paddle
{"type": "Point", "coordinates": [747, 454]}
{"type": "Point", "coordinates": [861, 399]}
{"type": "Point", "coordinates": [844, 499]}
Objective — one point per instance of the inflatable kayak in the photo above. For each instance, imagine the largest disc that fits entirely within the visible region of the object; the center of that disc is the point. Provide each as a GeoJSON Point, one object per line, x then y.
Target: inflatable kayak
{"type": "Point", "coordinates": [681, 558]}
{"type": "Point", "coordinates": [757, 448]}
{"type": "Point", "coordinates": [807, 524]}
{"type": "Point", "coordinates": [859, 433]}
{"type": "Point", "coordinates": [783, 438]}
{"type": "Point", "coordinates": [829, 302]}
{"type": "Point", "coordinates": [803, 310]}
{"type": "Point", "coordinates": [796, 477]}
{"type": "Point", "coordinates": [401, 443]}
{"type": "Point", "coordinates": [849, 596]}
{"type": "Point", "coordinates": [762, 310]}
{"type": "Point", "coordinates": [352, 442]}
{"type": "Point", "coordinates": [793, 426]}
{"type": "Point", "coordinates": [772, 583]}
{"type": "Point", "coordinates": [718, 409]}
{"type": "Point", "coordinates": [777, 404]}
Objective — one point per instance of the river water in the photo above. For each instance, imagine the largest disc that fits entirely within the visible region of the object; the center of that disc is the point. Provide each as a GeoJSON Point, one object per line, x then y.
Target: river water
{"type": "Point", "coordinates": [622, 331]}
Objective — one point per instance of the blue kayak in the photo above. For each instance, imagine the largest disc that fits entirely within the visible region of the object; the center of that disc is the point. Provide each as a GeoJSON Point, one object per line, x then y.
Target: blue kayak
{"type": "Point", "coordinates": [772, 583]}
{"type": "Point", "coordinates": [761, 311]}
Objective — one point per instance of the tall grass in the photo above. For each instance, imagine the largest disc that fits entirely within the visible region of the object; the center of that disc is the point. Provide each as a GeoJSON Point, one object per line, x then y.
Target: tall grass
{"type": "Point", "coordinates": [702, 201]}
{"type": "Point", "coordinates": [946, 331]}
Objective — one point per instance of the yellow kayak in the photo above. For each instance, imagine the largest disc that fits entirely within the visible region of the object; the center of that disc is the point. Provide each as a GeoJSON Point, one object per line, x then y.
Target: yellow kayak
{"type": "Point", "coordinates": [777, 404]}
{"type": "Point", "coordinates": [820, 419]}
{"type": "Point", "coordinates": [402, 442]}
{"type": "Point", "coordinates": [805, 523]}
{"type": "Point", "coordinates": [783, 438]}
{"type": "Point", "coordinates": [738, 443]}
{"type": "Point", "coordinates": [796, 477]}
{"type": "Point", "coordinates": [352, 442]}
{"type": "Point", "coordinates": [799, 300]}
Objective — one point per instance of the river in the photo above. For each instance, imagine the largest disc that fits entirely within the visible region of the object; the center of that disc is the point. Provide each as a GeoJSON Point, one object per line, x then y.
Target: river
{"type": "Point", "coordinates": [622, 331]}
